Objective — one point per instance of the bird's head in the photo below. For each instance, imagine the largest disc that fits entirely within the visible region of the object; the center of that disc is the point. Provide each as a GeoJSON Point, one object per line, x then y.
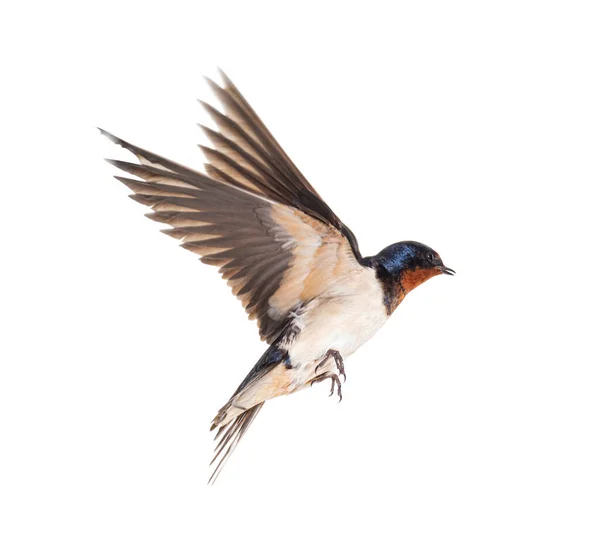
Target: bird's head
{"type": "Point", "coordinates": [404, 266]}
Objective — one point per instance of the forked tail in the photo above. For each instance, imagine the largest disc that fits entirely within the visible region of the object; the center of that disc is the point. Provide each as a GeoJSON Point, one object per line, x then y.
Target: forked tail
{"type": "Point", "coordinates": [229, 436]}
{"type": "Point", "coordinates": [266, 380]}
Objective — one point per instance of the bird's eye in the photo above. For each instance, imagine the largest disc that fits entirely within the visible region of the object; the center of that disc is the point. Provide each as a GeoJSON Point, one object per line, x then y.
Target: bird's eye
{"type": "Point", "coordinates": [430, 256]}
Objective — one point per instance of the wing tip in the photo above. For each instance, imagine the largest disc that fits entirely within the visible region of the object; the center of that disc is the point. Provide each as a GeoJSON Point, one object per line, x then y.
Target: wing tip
{"type": "Point", "coordinates": [146, 200]}
{"type": "Point", "coordinates": [110, 136]}
{"type": "Point", "coordinates": [212, 84]}
{"type": "Point", "coordinates": [174, 233]}
{"type": "Point", "coordinates": [224, 76]}
{"type": "Point", "coordinates": [162, 217]}
{"type": "Point", "coordinates": [122, 165]}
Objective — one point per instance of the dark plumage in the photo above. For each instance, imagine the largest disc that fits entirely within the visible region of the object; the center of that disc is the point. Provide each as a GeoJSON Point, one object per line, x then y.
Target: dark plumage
{"type": "Point", "coordinates": [401, 267]}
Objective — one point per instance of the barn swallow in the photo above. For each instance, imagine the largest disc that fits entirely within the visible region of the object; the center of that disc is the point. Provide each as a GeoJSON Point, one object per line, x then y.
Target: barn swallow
{"type": "Point", "coordinates": [295, 266]}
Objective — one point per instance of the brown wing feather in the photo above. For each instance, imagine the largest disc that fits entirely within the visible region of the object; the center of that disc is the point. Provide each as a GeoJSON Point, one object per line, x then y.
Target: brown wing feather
{"type": "Point", "coordinates": [246, 153]}
{"type": "Point", "coordinates": [274, 257]}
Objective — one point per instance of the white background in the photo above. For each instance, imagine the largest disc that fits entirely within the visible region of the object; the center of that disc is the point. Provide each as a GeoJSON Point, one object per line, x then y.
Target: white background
{"type": "Point", "coordinates": [470, 425]}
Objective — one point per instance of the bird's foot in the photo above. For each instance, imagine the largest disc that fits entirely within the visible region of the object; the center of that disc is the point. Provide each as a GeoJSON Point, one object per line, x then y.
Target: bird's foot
{"type": "Point", "coordinates": [335, 382]}
{"type": "Point", "coordinates": [339, 362]}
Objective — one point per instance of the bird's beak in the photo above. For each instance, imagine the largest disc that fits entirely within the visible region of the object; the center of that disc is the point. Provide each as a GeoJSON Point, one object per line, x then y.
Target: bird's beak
{"type": "Point", "coordinates": [447, 270]}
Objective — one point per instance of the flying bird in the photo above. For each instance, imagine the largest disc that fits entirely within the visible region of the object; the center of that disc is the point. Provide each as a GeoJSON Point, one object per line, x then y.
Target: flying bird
{"type": "Point", "coordinates": [295, 266]}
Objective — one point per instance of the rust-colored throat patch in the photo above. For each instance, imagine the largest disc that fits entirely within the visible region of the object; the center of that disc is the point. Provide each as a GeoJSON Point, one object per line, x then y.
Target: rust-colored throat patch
{"type": "Point", "coordinates": [410, 279]}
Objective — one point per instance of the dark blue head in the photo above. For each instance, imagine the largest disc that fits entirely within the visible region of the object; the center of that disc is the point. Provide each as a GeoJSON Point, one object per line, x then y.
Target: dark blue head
{"type": "Point", "coordinates": [403, 266]}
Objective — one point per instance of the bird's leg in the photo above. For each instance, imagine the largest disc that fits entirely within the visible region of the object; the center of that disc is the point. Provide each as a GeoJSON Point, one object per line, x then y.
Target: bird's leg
{"type": "Point", "coordinates": [335, 382]}
{"type": "Point", "coordinates": [339, 362]}
{"type": "Point", "coordinates": [335, 378]}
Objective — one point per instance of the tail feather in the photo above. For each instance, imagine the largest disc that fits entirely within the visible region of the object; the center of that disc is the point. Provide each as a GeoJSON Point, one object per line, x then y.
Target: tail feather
{"type": "Point", "coordinates": [229, 436]}
{"type": "Point", "coordinates": [266, 380]}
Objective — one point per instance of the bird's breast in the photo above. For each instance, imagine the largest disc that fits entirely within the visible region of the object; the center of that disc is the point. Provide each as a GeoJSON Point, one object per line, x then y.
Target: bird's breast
{"type": "Point", "coordinates": [342, 320]}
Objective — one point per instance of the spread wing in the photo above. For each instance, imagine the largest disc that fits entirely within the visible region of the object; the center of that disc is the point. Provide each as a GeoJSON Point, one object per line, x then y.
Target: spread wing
{"type": "Point", "coordinates": [255, 216]}
{"type": "Point", "coordinates": [247, 155]}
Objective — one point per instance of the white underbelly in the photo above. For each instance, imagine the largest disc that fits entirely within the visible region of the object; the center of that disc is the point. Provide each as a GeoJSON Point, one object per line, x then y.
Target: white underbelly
{"type": "Point", "coordinates": [342, 324]}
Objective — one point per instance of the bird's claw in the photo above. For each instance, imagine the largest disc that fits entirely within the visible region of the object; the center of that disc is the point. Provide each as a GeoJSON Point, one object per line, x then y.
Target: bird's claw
{"type": "Point", "coordinates": [339, 362]}
{"type": "Point", "coordinates": [335, 378]}
{"type": "Point", "coordinates": [335, 382]}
